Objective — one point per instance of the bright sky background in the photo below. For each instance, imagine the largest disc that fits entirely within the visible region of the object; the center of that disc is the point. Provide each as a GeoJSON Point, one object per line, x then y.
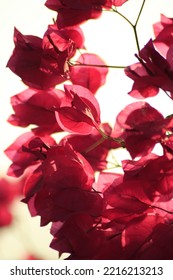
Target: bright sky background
{"type": "Point", "coordinates": [110, 37]}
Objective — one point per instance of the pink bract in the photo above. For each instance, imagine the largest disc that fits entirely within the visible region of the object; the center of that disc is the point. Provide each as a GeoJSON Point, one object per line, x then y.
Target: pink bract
{"type": "Point", "coordinates": [79, 110]}
{"type": "Point", "coordinates": [83, 75]}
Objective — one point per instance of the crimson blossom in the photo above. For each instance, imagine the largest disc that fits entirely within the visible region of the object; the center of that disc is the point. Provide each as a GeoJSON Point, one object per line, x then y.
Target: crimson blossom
{"type": "Point", "coordinates": [84, 72]}
{"type": "Point", "coordinates": [94, 147]}
{"type": "Point", "coordinates": [142, 127]}
{"type": "Point", "coordinates": [9, 191]}
{"type": "Point", "coordinates": [79, 110]}
{"type": "Point", "coordinates": [127, 226]}
{"type": "Point", "coordinates": [42, 62]}
{"type": "Point", "coordinates": [163, 31]}
{"type": "Point", "coordinates": [58, 175]}
{"type": "Point", "coordinates": [36, 107]}
{"type": "Point", "coordinates": [94, 213]}
{"type": "Point", "coordinates": [37, 67]}
{"type": "Point", "coordinates": [75, 12]}
{"type": "Point", "coordinates": [151, 73]}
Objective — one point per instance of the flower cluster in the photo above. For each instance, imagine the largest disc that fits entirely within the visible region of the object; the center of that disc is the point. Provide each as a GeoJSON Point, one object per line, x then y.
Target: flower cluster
{"type": "Point", "coordinates": [120, 215]}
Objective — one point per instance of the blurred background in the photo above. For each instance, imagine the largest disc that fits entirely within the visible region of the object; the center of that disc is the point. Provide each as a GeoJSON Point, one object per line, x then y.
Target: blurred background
{"type": "Point", "coordinates": [109, 37]}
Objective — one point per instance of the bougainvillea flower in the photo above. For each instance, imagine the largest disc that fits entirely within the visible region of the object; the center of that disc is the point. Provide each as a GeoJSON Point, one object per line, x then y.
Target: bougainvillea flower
{"type": "Point", "coordinates": [94, 147]}
{"type": "Point", "coordinates": [83, 75]}
{"type": "Point", "coordinates": [130, 195]}
{"type": "Point", "coordinates": [78, 236]}
{"type": "Point", "coordinates": [59, 42]}
{"type": "Point", "coordinates": [75, 12]}
{"type": "Point", "coordinates": [79, 110]}
{"type": "Point", "coordinates": [8, 192]}
{"type": "Point", "coordinates": [128, 212]}
{"type": "Point", "coordinates": [141, 126]}
{"type": "Point", "coordinates": [36, 107]}
{"type": "Point", "coordinates": [153, 174]}
{"type": "Point", "coordinates": [27, 150]}
{"type": "Point", "coordinates": [54, 203]}
{"type": "Point", "coordinates": [66, 160]}
{"type": "Point", "coordinates": [163, 32]}
{"type": "Point", "coordinates": [123, 203]}
{"type": "Point", "coordinates": [63, 186]}
{"type": "Point", "coordinates": [42, 63]}
{"type": "Point", "coordinates": [158, 248]}
{"type": "Point", "coordinates": [152, 73]}
{"type": "Point", "coordinates": [73, 33]}
{"type": "Point", "coordinates": [138, 235]}
{"type": "Point", "coordinates": [115, 236]}
{"type": "Point", "coordinates": [36, 66]}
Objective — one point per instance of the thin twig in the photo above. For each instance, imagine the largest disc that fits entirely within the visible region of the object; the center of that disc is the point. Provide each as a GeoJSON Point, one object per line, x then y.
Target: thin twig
{"type": "Point", "coordinates": [76, 63]}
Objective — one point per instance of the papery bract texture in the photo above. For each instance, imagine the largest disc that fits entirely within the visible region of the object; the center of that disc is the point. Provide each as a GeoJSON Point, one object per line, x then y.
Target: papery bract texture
{"type": "Point", "coordinates": [27, 150]}
{"type": "Point", "coordinates": [95, 154]}
{"type": "Point", "coordinates": [63, 35]}
{"type": "Point", "coordinates": [64, 186]}
{"type": "Point", "coordinates": [163, 32]}
{"type": "Point", "coordinates": [153, 175]}
{"type": "Point", "coordinates": [152, 73]}
{"type": "Point", "coordinates": [62, 43]}
{"type": "Point", "coordinates": [34, 65]}
{"type": "Point", "coordinates": [75, 12]}
{"type": "Point", "coordinates": [78, 236]}
{"type": "Point", "coordinates": [124, 229]}
{"type": "Point", "coordinates": [79, 110]}
{"type": "Point", "coordinates": [42, 63]}
{"type": "Point", "coordinates": [138, 235]}
{"type": "Point", "coordinates": [36, 107]}
{"type": "Point", "coordinates": [83, 75]}
{"type": "Point", "coordinates": [159, 248]}
{"type": "Point", "coordinates": [141, 126]}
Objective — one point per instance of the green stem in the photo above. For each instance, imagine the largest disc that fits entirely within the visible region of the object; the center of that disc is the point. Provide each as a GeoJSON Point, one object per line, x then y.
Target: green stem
{"type": "Point", "coordinates": [136, 38]}
{"type": "Point", "coordinates": [124, 17]}
{"type": "Point", "coordinates": [117, 140]}
{"type": "Point", "coordinates": [71, 63]}
{"type": "Point", "coordinates": [134, 26]}
{"type": "Point", "coordinates": [102, 139]}
{"type": "Point", "coordinates": [140, 12]}
{"type": "Point", "coordinates": [93, 146]}
{"type": "Point", "coordinates": [115, 161]}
